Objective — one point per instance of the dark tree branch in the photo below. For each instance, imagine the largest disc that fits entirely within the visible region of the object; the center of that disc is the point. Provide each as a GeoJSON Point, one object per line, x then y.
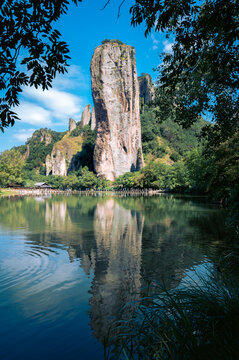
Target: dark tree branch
{"type": "Point", "coordinates": [23, 26]}
{"type": "Point", "coordinates": [119, 8]}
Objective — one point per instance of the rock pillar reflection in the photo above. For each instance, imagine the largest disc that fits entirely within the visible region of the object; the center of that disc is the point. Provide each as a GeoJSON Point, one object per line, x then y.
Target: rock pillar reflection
{"type": "Point", "coordinates": [56, 215]}
{"type": "Point", "coordinates": [118, 233]}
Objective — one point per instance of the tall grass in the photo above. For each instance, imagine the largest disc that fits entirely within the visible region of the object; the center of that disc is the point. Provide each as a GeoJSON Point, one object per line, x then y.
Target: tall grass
{"type": "Point", "coordinates": [196, 322]}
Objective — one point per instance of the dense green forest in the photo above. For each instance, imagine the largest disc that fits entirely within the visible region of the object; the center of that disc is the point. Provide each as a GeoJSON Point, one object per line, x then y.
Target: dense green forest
{"type": "Point", "coordinates": [167, 137]}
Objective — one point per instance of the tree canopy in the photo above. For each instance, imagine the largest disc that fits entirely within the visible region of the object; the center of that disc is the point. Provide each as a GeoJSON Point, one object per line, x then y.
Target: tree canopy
{"type": "Point", "coordinates": [201, 74]}
{"type": "Point", "coordinates": [11, 168]}
{"type": "Point", "coordinates": [31, 49]}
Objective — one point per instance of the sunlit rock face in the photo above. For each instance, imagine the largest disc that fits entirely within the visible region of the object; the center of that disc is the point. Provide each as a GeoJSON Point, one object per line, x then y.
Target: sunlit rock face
{"type": "Point", "coordinates": [86, 115]}
{"type": "Point", "coordinates": [56, 163]}
{"type": "Point", "coordinates": [72, 125]}
{"type": "Point", "coordinates": [62, 158]}
{"type": "Point", "coordinates": [93, 119]}
{"type": "Point", "coordinates": [115, 92]}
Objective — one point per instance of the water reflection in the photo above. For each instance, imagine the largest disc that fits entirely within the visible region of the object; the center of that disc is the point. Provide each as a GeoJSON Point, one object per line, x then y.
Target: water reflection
{"type": "Point", "coordinates": [117, 280]}
{"type": "Point", "coordinates": [63, 257]}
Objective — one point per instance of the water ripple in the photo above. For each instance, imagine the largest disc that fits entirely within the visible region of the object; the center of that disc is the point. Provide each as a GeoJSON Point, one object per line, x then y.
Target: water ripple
{"type": "Point", "coordinates": [25, 266]}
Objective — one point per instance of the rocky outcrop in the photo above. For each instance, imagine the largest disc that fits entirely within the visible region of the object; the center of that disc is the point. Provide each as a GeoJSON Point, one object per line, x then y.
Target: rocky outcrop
{"type": "Point", "coordinates": [61, 160]}
{"type": "Point", "coordinates": [146, 88]}
{"type": "Point", "coordinates": [93, 119]}
{"type": "Point", "coordinates": [43, 135]}
{"type": "Point", "coordinates": [115, 92]}
{"type": "Point", "coordinates": [48, 165]}
{"type": "Point", "coordinates": [72, 125]}
{"type": "Point", "coordinates": [86, 115]}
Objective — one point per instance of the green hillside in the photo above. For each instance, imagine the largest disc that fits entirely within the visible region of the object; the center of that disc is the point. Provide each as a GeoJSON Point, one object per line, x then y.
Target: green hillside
{"type": "Point", "coordinates": [167, 137]}
{"type": "Point", "coordinates": [40, 145]}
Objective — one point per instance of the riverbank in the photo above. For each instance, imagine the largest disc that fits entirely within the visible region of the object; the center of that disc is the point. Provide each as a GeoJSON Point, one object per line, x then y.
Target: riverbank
{"type": "Point", "coordinates": [8, 192]}
{"type": "Point", "coordinates": [39, 192]}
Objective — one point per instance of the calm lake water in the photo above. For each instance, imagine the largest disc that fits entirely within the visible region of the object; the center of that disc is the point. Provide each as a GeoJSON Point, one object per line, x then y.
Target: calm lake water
{"type": "Point", "coordinates": [69, 264]}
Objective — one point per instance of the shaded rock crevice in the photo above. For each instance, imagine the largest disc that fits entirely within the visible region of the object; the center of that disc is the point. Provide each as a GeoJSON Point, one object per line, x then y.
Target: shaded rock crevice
{"type": "Point", "coordinates": [146, 88]}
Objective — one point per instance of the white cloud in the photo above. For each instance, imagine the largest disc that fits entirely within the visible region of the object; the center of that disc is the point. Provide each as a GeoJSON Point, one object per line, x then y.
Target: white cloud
{"type": "Point", "coordinates": [23, 134]}
{"type": "Point", "coordinates": [75, 78]}
{"type": "Point", "coordinates": [167, 46]}
{"type": "Point", "coordinates": [60, 104]}
{"type": "Point", "coordinates": [53, 107]}
{"type": "Point", "coordinates": [155, 41]}
{"type": "Point", "coordinates": [33, 114]}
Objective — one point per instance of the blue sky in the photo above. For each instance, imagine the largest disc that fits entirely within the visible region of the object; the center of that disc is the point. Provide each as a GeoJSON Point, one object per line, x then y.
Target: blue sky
{"type": "Point", "coordinates": [83, 28]}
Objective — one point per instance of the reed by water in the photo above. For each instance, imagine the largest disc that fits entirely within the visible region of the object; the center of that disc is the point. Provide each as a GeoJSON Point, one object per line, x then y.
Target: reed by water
{"type": "Point", "coordinates": [195, 322]}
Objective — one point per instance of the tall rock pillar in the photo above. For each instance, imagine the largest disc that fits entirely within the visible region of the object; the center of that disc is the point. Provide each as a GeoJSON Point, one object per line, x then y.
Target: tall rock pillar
{"type": "Point", "coordinates": [85, 117]}
{"type": "Point", "coordinates": [115, 91]}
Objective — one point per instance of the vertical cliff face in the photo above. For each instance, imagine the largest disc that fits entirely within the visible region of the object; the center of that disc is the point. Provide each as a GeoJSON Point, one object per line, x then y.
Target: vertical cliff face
{"type": "Point", "coordinates": [115, 92]}
{"type": "Point", "coordinates": [93, 119]}
{"type": "Point", "coordinates": [146, 88]}
{"type": "Point", "coordinates": [86, 115]}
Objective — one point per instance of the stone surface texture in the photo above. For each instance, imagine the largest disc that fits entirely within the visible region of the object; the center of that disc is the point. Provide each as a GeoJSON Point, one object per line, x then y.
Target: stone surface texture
{"type": "Point", "coordinates": [63, 155]}
{"type": "Point", "coordinates": [146, 88]}
{"type": "Point", "coordinates": [93, 119]}
{"type": "Point", "coordinates": [72, 125]}
{"type": "Point", "coordinates": [115, 92]}
{"type": "Point", "coordinates": [86, 116]}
